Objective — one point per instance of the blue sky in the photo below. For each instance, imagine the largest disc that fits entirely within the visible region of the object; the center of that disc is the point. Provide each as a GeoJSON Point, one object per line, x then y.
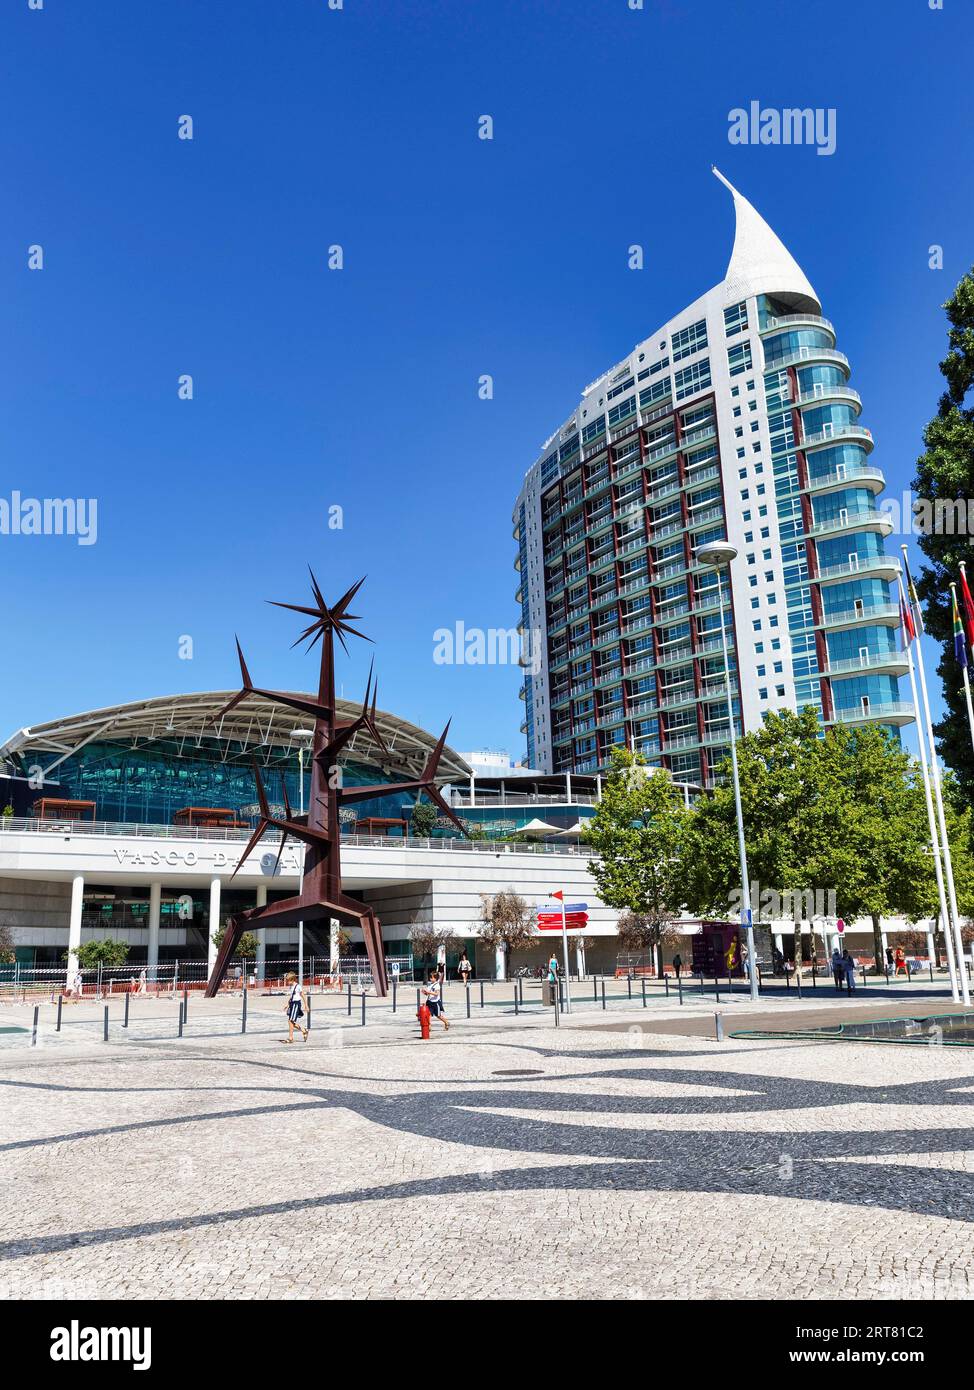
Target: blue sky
{"type": "Point", "coordinates": [315, 388]}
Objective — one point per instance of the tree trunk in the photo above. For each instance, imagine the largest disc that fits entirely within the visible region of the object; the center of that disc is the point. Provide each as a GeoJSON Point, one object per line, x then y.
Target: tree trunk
{"type": "Point", "coordinates": [878, 944]}
{"type": "Point", "coordinates": [798, 948]}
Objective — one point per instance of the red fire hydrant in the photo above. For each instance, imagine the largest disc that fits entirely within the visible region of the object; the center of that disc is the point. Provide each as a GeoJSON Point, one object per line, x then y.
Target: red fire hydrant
{"type": "Point", "coordinates": [423, 1014]}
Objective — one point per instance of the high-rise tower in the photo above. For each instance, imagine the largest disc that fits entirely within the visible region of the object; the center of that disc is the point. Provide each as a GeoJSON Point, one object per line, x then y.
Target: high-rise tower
{"type": "Point", "coordinates": [735, 421]}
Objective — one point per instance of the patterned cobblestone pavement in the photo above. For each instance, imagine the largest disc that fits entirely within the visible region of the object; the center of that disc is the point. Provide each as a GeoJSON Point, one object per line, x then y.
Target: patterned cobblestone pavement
{"type": "Point", "coordinates": [510, 1160]}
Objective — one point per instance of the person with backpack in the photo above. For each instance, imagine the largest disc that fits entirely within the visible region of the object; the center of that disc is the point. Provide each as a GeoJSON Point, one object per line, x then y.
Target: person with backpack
{"type": "Point", "coordinates": [294, 1008]}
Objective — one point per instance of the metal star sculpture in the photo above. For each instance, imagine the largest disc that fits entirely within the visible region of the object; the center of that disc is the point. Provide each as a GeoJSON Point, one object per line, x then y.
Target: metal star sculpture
{"type": "Point", "coordinates": [319, 829]}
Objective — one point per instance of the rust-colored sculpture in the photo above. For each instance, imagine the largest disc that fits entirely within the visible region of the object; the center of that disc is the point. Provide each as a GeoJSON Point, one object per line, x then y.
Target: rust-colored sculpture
{"type": "Point", "coordinates": [319, 828]}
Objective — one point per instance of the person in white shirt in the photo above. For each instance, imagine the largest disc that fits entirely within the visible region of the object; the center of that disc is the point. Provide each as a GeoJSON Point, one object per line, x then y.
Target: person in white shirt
{"type": "Point", "coordinates": [294, 1008]}
{"type": "Point", "coordinates": [433, 1000]}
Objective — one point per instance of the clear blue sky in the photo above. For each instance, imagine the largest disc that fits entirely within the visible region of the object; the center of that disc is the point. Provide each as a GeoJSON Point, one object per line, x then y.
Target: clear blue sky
{"type": "Point", "coordinates": [359, 388]}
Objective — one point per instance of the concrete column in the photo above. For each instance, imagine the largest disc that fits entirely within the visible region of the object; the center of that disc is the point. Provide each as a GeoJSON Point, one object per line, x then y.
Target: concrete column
{"type": "Point", "coordinates": [74, 921]}
{"type": "Point", "coordinates": [568, 787]}
{"type": "Point", "coordinates": [261, 933]}
{"type": "Point", "coordinates": [882, 963]}
{"type": "Point", "coordinates": [155, 914]}
{"type": "Point", "coordinates": [580, 957]}
{"type": "Point", "coordinates": [473, 788]}
{"type": "Point", "coordinates": [214, 921]}
{"type": "Point", "coordinates": [334, 947]}
{"type": "Point", "coordinates": [779, 942]}
{"type": "Point", "coordinates": [931, 949]}
{"type": "Point", "coordinates": [500, 972]}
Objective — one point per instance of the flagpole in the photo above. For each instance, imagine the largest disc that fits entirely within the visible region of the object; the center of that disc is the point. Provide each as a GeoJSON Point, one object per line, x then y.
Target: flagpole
{"type": "Point", "coordinates": [931, 818]}
{"type": "Point", "coordinates": [967, 681]}
{"type": "Point", "coordinates": [937, 793]}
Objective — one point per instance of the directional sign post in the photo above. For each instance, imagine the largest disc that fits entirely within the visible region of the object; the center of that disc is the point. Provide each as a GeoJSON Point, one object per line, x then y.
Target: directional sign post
{"type": "Point", "coordinates": [572, 917]}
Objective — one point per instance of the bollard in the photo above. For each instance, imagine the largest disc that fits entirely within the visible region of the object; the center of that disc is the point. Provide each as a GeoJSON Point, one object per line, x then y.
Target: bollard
{"type": "Point", "coordinates": [560, 1003]}
{"type": "Point", "coordinates": [105, 1028]}
{"type": "Point", "coordinates": [467, 987]}
{"type": "Point", "coordinates": [125, 1020]}
{"type": "Point", "coordinates": [629, 985]}
{"type": "Point", "coordinates": [557, 1012]}
{"type": "Point", "coordinates": [417, 1002]}
{"type": "Point", "coordinates": [350, 998]}
{"type": "Point", "coordinates": [716, 989]}
{"type": "Point", "coordinates": [363, 1008]}
{"type": "Point", "coordinates": [643, 982]}
{"type": "Point", "coordinates": [515, 999]}
{"type": "Point", "coordinates": [719, 1022]}
{"type": "Point", "coordinates": [798, 982]}
{"type": "Point", "coordinates": [814, 977]}
{"type": "Point", "coordinates": [864, 977]}
{"type": "Point", "coordinates": [243, 1011]}
{"type": "Point", "coordinates": [33, 1030]}
{"type": "Point", "coordinates": [60, 1004]}
{"type": "Point", "coordinates": [520, 988]}
{"type": "Point", "coordinates": [666, 985]}
{"type": "Point", "coordinates": [481, 994]}
{"type": "Point", "coordinates": [701, 982]}
{"type": "Point", "coordinates": [595, 990]}
{"type": "Point", "coordinates": [395, 986]}
{"type": "Point", "coordinates": [181, 1007]}
{"type": "Point", "coordinates": [787, 979]}
{"type": "Point", "coordinates": [930, 963]}
{"type": "Point", "coordinates": [679, 986]}
{"type": "Point", "coordinates": [309, 1010]}
{"type": "Point", "coordinates": [603, 993]}
{"type": "Point", "coordinates": [886, 968]}
{"type": "Point", "coordinates": [185, 1003]}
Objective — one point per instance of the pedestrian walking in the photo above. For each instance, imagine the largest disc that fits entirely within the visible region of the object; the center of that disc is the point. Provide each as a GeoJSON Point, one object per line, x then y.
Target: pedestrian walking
{"type": "Point", "coordinates": [838, 969]}
{"type": "Point", "coordinates": [464, 968]}
{"type": "Point", "coordinates": [294, 1008]}
{"type": "Point", "coordinates": [849, 965]}
{"type": "Point", "coordinates": [677, 964]}
{"type": "Point", "coordinates": [900, 960]}
{"type": "Point", "coordinates": [433, 999]}
{"type": "Point", "coordinates": [143, 982]}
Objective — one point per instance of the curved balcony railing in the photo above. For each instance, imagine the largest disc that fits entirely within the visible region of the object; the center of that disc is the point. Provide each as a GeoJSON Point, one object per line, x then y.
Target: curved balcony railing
{"type": "Point", "coordinates": [868, 661]}
{"type": "Point", "coordinates": [821, 393]}
{"type": "Point", "coordinates": [898, 712]}
{"type": "Point", "coordinates": [857, 473]}
{"type": "Point", "coordinates": [887, 613]}
{"type": "Point", "coordinates": [775, 325]}
{"type": "Point", "coordinates": [835, 434]}
{"type": "Point", "coordinates": [867, 565]}
{"type": "Point", "coordinates": [860, 520]}
{"type": "Point", "coordinates": [809, 354]}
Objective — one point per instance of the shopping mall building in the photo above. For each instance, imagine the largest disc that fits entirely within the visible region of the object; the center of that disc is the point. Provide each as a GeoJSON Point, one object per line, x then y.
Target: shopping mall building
{"type": "Point", "coordinates": [128, 822]}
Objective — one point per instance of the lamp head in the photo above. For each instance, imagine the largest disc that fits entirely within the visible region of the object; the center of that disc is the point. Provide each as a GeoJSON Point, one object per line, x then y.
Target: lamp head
{"type": "Point", "coordinates": [717, 554]}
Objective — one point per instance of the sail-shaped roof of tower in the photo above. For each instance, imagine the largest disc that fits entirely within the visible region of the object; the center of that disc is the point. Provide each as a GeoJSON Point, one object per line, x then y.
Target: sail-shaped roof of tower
{"type": "Point", "coordinates": [760, 263]}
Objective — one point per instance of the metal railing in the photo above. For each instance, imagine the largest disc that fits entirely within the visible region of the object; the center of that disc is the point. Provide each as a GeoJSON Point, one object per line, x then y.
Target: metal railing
{"type": "Point", "coordinates": [122, 829]}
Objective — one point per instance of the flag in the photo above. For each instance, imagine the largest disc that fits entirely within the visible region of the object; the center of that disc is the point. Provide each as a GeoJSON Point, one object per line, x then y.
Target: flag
{"type": "Point", "coordinates": [911, 590]}
{"type": "Point", "coordinates": [906, 622]}
{"type": "Point", "coordinates": [960, 644]}
{"type": "Point", "coordinates": [967, 609]}
{"type": "Point", "coordinates": [559, 895]}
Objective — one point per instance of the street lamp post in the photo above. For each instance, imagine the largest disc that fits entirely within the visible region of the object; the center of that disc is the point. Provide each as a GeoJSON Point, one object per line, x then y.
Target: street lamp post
{"type": "Point", "coordinates": [304, 735]}
{"type": "Point", "coordinates": [718, 556]}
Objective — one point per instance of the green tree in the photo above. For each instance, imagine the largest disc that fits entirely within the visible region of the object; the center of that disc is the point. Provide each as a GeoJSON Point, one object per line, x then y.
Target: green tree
{"type": "Point", "coordinates": [945, 477]}
{"type": "Point", "coordinates": [637, 834]}
{"type": "Point", "coordinates": [423, 819]}
{"type": "Point", "coordinates": [777, 800]}
{"type": "Point", "coordinates": [94, 953]}
{"type": "Point", "coordinates": [246, 948]}
{"type": "Point", "coordinates": [8, 953]}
